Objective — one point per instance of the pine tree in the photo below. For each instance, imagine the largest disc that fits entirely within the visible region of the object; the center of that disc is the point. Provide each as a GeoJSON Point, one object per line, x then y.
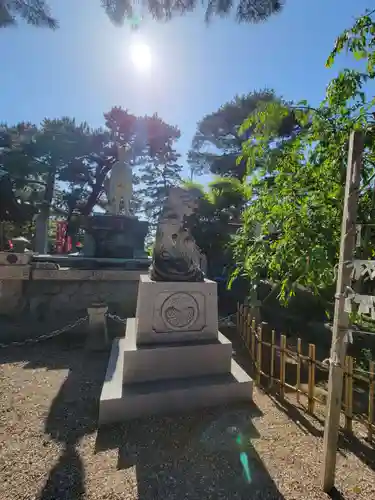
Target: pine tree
{"type": "Point", "coordinates": [37, 12]}
{"type": "Point", "coordinates": [157, 176]}
{"type": "Point", "coordinates": [34, 12]}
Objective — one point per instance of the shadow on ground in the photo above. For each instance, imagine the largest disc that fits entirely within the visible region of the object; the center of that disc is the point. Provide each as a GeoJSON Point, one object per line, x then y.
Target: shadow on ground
{"type": "Point", "coordinates": [191, 456]}
{"type": "Point", "coordinates": [72, 415]}
{"type": "Point", "coordinates": [347, 441]}
{"type": "Point", "coordinates": [207, 454]}
{"type": "Point", "coordinates": [74, 410]}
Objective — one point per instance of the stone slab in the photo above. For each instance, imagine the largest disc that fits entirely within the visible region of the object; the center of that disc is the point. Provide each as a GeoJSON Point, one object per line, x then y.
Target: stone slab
{"type": "Point", "coordinates": [14, 259]}
{"type": "Point", "coordinates": [176, 311]}
{"type": "Point", "coordinates": [15, 272]}
{"type": "Point", "coordinates": [119, 402]}
{"type": "Point", "coordinates": [112, 387]}
{"type": "Point", "coordinates": [83, 262]}
{"type": "Point", "coordinates": [147, 362]}
{"type": "Point", "coordinates": [83, 274]}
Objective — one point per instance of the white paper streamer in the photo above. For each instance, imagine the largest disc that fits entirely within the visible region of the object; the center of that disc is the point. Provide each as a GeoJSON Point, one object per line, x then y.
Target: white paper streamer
{"type": "Point", "coordinates": [362, 268]}
{"type": "Point", "coordinates": [364, 303]}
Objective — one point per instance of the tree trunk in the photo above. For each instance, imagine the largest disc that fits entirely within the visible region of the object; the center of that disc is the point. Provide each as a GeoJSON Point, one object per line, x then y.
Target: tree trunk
{"type": "Point", "coordinates": [95, 193]}
{"type": "Point", "coordinates": [41, 231]}
{"type": "Point", "coordinates": [41, 226]}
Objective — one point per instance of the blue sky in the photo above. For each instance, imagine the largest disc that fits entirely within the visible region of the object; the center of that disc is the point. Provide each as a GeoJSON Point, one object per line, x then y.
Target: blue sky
{"type": "Point", "coordinates": [83, 69]}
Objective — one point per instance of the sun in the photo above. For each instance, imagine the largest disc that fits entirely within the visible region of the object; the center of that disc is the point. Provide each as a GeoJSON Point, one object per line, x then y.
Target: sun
{"type": "Point", "coordinates": [140, 55]}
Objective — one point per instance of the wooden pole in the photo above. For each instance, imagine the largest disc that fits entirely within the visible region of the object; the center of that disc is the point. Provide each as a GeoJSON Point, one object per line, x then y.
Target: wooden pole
{"type": "Point", "coordinates": [341, 318]}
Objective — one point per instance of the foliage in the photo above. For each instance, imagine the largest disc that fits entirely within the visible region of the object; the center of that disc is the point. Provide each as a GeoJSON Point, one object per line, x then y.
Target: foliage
{"type": "Point", "coordinates": [36, 156]}
{"type": "Point", "coordinates": [37, 12]}
{"type": "Point", "coordinates": [216, 147]}
{"type": "Point", "coordinates": [60, 167]}
{"type": "Point", "coordinates": [249, 11]}
{"type": "Point", "coordinates": [34, 12]}
{"type": "Point", "coordinates": [216, 220]}
{"type": "Point", "coordinates": [152, 143]}
{"type": "Point", "coordinates": [16, 145]}
{"type": "Point", "coordinates": [218, 140]}
{"type": "Point", "coordinates": [157, 176]}
{"type": "Point", "coordinates": [296, 185]}
{"type": "Point", "coordinates": [78, 157]}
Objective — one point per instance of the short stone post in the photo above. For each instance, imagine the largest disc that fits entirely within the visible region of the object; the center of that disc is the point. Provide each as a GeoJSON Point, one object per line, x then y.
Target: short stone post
{"type": "Point", "coordinates": [14, 270]}
{"type": "Point", "coordinates": [97, 339]}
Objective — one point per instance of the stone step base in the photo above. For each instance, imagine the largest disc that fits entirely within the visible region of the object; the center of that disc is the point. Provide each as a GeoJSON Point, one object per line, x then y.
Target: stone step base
{"type": "Point", "coordinates": [119, 402]}
{"type": "Point", "coordinates": [150, 362]}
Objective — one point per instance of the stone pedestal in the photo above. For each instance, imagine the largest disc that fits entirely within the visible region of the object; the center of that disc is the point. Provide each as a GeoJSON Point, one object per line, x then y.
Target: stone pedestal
{"type": "Point", "coordinates": [114, 236]}
{"type": "Point", "coordinates": [173, 358]}
{"type": "Point", "coordinates": [14, 270]}
{"type": "Point", "coordinates": [176, 312]}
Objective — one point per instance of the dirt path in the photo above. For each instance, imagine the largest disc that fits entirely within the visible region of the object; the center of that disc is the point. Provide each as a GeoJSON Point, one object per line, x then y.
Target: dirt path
{"type": "Point", "coordinates": [50, 449]}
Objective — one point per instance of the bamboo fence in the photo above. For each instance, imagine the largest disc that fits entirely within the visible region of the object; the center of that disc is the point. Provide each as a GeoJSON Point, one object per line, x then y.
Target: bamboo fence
{"type": "Point", "coordinates": [266, 373]}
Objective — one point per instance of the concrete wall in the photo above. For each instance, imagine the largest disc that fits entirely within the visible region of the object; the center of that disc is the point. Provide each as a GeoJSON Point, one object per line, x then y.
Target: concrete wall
{"type": "Point", "coordinates": [33, 301]}
{"type": "Point", "coordinates": [60, 298]}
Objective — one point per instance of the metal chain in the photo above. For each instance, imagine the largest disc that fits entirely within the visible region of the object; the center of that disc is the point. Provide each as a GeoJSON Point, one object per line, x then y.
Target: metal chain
{"type": "Point", "coordinates": [114, 317]}
{"type": "Point", "coordinates": [46, 336]}
{"type": "Point", "coordinates": [118, 319]}
{"type": "Point", "coordinates": [227, 319]}
{"type": "Point", "coordinates": [70, 326]}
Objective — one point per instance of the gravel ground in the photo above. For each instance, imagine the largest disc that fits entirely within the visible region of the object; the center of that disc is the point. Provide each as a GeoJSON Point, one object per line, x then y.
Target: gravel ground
{"type": "Point", "coordinates": [50, 448]}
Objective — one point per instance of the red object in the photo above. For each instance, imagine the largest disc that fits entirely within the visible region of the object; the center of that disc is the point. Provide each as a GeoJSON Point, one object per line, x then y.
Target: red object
{"type": "Point", "coordinates": [61, 227]}
{"type": "Point", "coordinates": [10, 244]}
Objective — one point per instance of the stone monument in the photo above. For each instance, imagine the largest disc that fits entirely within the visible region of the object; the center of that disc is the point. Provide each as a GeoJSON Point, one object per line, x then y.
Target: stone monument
{"type": "Point", "coordinates": [172, 357]}
{"type": "Point", "coordinates": [117, 233]}
{"type": "Point", "coordinates": [119, 186]}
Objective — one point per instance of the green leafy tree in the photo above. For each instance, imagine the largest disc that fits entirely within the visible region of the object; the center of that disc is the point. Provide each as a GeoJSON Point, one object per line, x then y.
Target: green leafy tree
{"type": "Point", "coordinates": [218, 140]}
{"type": "Point", "coordinates": [37, 12]}
{"type": "Point", "coordinates": [59, 168]}
{"type": "Point", "coordinates": [16, 156]}
{"type": "Point", "coordinates": [54, 147]}
{"type": "Point", "coordinates": [154, 159]}
{"type": "Point", "coordinates": [292, 220]}
{"type": "Point", "coordinates": [249, 11]}
{"type": "Point", "coordinates": [84, 175]}
{"type": "Point", "coordinates": [156, 178]}
{"type": "Point", "coordinates": [216, 221]}
{"type": "Point", "coordinates": [37, 157]}
{"type": "Point", "coordinates": [34, 12]}
{"type": "Point", "coordinates": [160, 170]}
{"type": "Point", "coordinates": [216, 148]}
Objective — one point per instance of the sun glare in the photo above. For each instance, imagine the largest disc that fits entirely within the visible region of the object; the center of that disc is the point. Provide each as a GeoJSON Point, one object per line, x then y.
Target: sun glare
{"type": "Point", "coordinates": [140, 55]}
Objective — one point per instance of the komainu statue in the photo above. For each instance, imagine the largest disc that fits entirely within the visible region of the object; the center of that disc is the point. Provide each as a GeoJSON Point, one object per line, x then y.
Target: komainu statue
{"type": "Point", "coordinates": [176, 256]}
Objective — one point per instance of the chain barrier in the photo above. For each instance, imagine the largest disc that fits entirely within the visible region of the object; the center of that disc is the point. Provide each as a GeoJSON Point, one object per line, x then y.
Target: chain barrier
{"type": "Point", "coordinates": [70, 326]}
{"type": "Point", "coordinates": [116, 318]}
{"type": "Point", "coordinates": [46, 336]}
{"type": "Point", "coordinates": [227, 320]}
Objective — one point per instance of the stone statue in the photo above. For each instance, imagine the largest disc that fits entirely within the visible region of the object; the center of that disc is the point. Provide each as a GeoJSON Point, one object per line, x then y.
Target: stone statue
{"type": "Point", "coordinates": [176, 256]}
{"type": "Point", "coordinates": [119, 186]}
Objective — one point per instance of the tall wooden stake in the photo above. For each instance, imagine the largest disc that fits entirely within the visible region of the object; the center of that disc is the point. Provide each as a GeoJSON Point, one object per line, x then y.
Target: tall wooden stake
{"type": "Point", "coordinates": [341, 318]}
